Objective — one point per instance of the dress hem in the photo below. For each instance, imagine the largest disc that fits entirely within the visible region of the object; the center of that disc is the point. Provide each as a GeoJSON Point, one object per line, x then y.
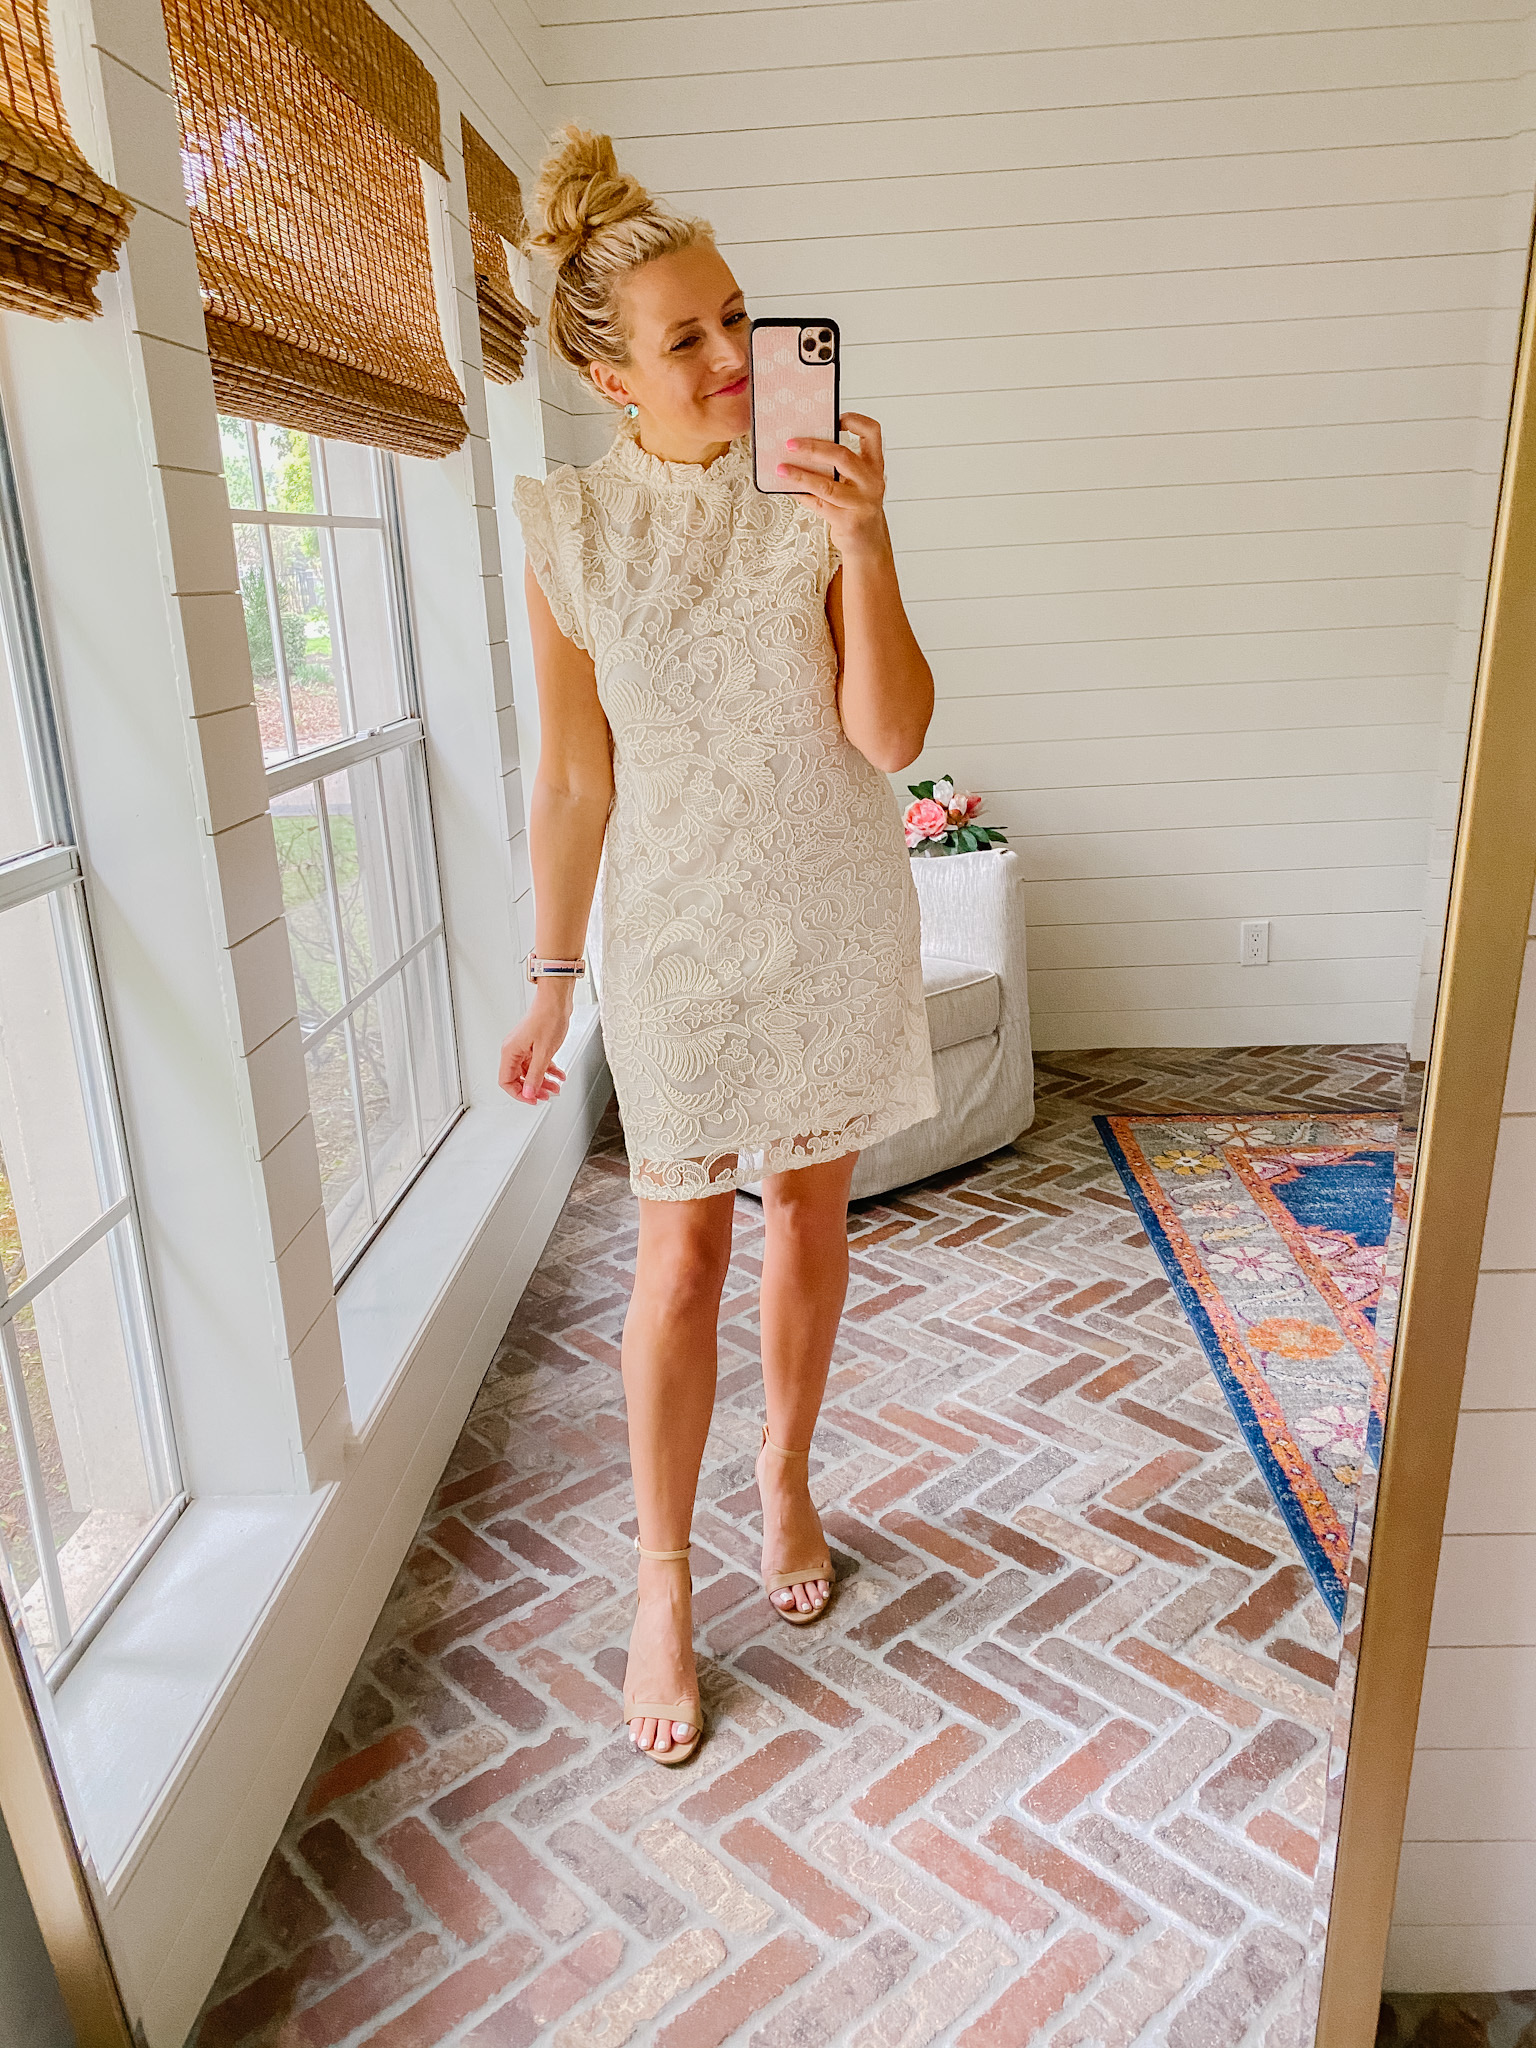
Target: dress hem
{"type": "Point", "coordinates": [693, 1180]}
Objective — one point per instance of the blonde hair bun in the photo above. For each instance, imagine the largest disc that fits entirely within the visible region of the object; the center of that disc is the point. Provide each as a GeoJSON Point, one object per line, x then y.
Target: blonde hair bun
{"type": "Point", "coordinates": [600, 224]}
{"type": "Point", "coordinates": [581, 191]}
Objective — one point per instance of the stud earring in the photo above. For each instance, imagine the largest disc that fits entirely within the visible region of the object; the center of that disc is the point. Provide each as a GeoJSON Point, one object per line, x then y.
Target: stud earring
{"type": "Point", "coordinates": [631, 412]}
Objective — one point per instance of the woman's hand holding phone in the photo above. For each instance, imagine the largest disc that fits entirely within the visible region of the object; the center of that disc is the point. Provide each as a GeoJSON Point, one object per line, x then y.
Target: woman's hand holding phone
{"type": "Point", "coordinates": [846, 485]}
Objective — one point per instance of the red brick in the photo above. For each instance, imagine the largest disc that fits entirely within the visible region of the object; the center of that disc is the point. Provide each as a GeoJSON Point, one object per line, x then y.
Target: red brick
{"type": "Point", "coordinates": [475, 1795]}
{"type": "Point", "coordinates": [1063, 1701]}
{"type": "Point", "coordinates": [1064, 1875]}
{"type": "Point", "coordinates": [443, 1888]}
{"type": "Point", "coordinates": [984, 1425]}
{"type": "Point", "coordinates": [273, 1995]}
{"type": "Point", "coordinates": [1144, 1538]}
{"type": "Point", "coordinates": [1151, 1479]}
{"type": "Point", "coordinates": [478, 1481]}
{"type": "Point", "coordinates": [492, 1687]}
{"type": "Point", "coordinates": [407, 1968]}
{"type": "Point", "coordinates": [534, 1545]}
{"type": "Point", "coordinates": [519, 2022]}
{"type": "Point", "coordinates": [841, 1996]}
{"type": "Point", "coordinates": [1196, 1439]}
{"type": "Point", "coordinates": [549, 1614]}
{"type": "Point", "coordinates": [1125, 1374]}
{"type": "Point", "coordinates": [1030, 2001]}
{"type": "Point", "coordinates": [857, 1536]}
{"type": "Point", "coordinates": [572, 1688]}
{"type": "Point", "coordinates": [360, 1769]}
{"type": "Point", "coordinates": [606, 1871]}
{"type": "Point", "coordinates": [1088, 1297]}
{"type": "Point", "coordinates": [1009, 1542]}
{"type": "Point", "coordinates": [728, 2005]}
{"type": "Point", "coordinates": [1209, 1537]}
{"type": "Point", "coordinates": [1053, 1607]}
{"type": "Point", "coordinates": [357, 1885]}
{"type": "Point", "coordinates": [456, 1997]}
{"type": "Point", "coordinates": [1062, 1376]}
{"type": "Point", "coordinates": [797, 1686]}
{"type": "Point", "coordinates": [722, 1594]}
{"type": "Point", "coordinates": [969, 1232]}
{"type": "Point", "coordinates": [748, 1780]}
{"type": "Point", "coordinates": [917, 1773]}
{"type": "Point", "coordinates": [1264, 1606]}
{"type": "Point", "coordinates": [488, 1564]}
{"type": "Point", "coordinates": [799, 1882]}
{"type": "Point", "coordinates": [924, 1425]}
{"type": "Point", "coordinates": [883, 1439]}
{"type": "Point", "coordinates": [953, 1863]}
{"type": "Point", "coordinates": [877, 1304]}
{"type": "Point", "coordinates": [1283, 1838]}
{"type": "Point", "coordinates": [896, 1485]}
{"type": "Point", "coordinates": [962, 1691]}
{"type": "Point", "coordinates": [1273, 1752]}
{"type": "Point", "coordinates": [549, 1903]}
{"type": "Point", "coordinates": [288, 1909]}
{"type": "Point", "coordinates": [1104, 1753]}
{"type": "Point", "coordinates": [939, 1543]}
{"type": "Point", "coordinates": [468, 1621]}
{"type": "Point", "coordinates": [904, 1612]}
{"type": "Point", "coordinates": [1310, 1663]}
{"type": "Point", "coordinates": [1155, 1663]}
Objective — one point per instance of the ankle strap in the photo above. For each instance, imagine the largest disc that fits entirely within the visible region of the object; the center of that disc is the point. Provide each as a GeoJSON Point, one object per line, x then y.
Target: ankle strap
{"type": "Point", "coordinates": [684, 1552]}
{"type": "Point", "coordinates": [769, 1444]}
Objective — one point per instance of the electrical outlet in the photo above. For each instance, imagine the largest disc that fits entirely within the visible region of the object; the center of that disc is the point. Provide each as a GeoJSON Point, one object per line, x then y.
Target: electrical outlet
{"type": "Point", "coordinates": [1253, 942]}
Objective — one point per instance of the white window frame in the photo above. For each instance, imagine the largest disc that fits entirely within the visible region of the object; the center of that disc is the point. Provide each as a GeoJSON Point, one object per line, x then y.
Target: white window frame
{"type": "Point", "coordinates": [55, 873]}
{"type": "Point", "coordinates": [311, 768]}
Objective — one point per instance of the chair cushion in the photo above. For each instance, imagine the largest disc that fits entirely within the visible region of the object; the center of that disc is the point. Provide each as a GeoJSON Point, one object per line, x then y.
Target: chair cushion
{"type": "Point", "coordinates": [961, 1000]}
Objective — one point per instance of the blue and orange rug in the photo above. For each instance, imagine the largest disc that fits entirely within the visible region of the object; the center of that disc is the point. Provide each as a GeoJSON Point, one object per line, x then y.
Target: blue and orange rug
{"type": "Point", "coordinates": [1273, 1231]}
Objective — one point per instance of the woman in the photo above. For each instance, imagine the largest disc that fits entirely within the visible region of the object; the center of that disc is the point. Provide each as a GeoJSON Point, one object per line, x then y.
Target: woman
{"type": "Point", "coordinates": [723, 676]}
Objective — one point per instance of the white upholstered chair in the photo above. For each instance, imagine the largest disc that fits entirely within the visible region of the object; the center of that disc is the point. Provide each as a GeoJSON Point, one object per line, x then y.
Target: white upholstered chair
{"type": "Point", "coordinates": [978, 1021]}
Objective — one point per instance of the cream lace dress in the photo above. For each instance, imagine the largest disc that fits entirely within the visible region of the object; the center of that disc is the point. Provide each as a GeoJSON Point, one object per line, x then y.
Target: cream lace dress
{"type": "Point", "coordinates": [760, 985]}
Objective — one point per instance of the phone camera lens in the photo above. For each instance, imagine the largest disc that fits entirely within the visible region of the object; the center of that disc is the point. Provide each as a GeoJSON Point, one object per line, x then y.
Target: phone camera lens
{"type": "Point", "coordinates": [825, 334]}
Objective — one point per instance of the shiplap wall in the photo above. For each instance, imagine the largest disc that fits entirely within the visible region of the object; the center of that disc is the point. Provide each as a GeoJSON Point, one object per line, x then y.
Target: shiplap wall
{"type": "Point", "coordinates": [1192, 348]}
{"type": "Point", "coordinates": [1465, 1918]}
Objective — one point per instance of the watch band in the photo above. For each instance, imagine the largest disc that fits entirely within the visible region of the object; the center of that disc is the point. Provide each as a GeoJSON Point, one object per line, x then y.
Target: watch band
{"type": "Point", "coordinates": [541, 969]}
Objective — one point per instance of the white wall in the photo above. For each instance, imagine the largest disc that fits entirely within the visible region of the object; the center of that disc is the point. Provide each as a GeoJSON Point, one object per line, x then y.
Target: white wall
{"type": "Point", "coordinates": [1192, 348]}
{"type": "Point", "coordinates": [1465, 1918]}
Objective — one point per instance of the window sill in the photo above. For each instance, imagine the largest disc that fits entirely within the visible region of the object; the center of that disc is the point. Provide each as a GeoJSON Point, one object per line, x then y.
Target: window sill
{"type": "Point", "coordinates": [239, 1633]}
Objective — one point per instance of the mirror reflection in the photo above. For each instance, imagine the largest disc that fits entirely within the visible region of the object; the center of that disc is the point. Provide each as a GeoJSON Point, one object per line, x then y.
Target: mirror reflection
{"type": "Point", "coordinates": [729, 762]}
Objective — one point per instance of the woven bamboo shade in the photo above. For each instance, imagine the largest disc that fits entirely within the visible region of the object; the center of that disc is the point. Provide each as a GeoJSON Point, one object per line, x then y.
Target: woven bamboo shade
{"type": "Point", "coordinates": [310, 229]}
{"type": "Point", "coordinates": [60, 225]}
{"type": "Point", "coordinates": [495, 215]}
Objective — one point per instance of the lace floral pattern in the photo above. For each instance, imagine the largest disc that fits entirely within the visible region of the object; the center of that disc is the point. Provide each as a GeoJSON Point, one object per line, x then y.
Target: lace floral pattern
{"type": "Point", "coordinates": [761, 987]}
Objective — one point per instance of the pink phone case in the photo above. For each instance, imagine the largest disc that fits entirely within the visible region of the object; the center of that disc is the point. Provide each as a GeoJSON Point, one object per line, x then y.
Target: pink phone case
{"type": "Point", "coordinates": [790, 395]}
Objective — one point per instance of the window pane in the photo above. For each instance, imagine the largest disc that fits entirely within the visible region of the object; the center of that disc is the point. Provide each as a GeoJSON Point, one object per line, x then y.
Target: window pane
{"type": "Point", "coordinates": [333, 1107]}
{"type": "Point", "coordinates": [431, 1027]}
{"type": "Point", "coordinates": [370, 647]}
{"type": "Point", "coordinates": [412, 862]}
{"type": "Point", "coordinates": [58, 1154]}
{"type": "Point", "coordinates": [306, 610]}
{"type": "Point", "coordinates": [286, 473]}
{"type": "Point", "coordinates": [277, 743]}
{"type": "Point", "coordinates": [307, 904]}
{"type": "Point", "coordinates": [74, 1469]}
{"type": "Point", "coordinates": [352, 479]}
{"type": "Point", "coordinates": [389, 1104]}
{"type": "Point", "coordinates": [238, 480]}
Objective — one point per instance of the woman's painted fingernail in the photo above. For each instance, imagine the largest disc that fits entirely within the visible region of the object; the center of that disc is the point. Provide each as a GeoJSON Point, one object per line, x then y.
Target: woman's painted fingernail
{"type": "Point", "coordinates": [783, 469]}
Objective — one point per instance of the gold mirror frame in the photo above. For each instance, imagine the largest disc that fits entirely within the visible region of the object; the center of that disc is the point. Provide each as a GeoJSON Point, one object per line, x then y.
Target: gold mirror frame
{"type": "Point", "coordinates": [1486, 927]}
{"type": "Point", "coordinates": [50, 1866]}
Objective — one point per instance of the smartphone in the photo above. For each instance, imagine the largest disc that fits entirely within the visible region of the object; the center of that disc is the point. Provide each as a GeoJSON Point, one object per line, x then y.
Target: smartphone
{"type": "Point", "coordinates": [794, 366]}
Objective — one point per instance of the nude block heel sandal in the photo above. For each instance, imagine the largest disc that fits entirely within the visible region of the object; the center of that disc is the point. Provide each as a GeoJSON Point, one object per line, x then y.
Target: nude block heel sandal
{"type": "Point", "coordinates": [801, 1575]}
{"type": "Point", "coordinates": [686, 1710]}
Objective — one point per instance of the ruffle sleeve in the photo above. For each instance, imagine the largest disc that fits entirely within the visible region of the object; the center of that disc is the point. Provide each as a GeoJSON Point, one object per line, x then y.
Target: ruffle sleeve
{"type": "Point", "coordinates": [552, 541]}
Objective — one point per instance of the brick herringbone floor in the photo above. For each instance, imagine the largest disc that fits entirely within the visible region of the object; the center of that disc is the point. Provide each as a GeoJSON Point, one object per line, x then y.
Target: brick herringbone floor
{"type": "Point", "coordinates": [1051, 1768]}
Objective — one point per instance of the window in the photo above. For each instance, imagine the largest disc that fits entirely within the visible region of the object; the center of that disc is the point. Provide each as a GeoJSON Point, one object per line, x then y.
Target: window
{"type": "Point", "coordinates": [317, 538]}
{"type": "Point", "coordinates": [88, 1474]}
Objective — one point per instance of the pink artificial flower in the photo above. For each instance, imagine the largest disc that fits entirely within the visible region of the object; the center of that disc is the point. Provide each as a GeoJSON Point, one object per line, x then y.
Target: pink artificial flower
{"type": "Point", "coordinates": [972, 806]}
{"type": "Point", "coordinates": [925, 820]}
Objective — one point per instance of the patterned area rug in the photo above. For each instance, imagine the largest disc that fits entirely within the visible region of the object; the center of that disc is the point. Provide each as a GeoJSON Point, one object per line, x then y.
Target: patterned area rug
{"type": "Point", "coordinates": [1273, 1232]}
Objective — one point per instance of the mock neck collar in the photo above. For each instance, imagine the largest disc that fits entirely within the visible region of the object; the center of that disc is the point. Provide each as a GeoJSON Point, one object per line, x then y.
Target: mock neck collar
{"type": "Point", "coordinates": [628, 456]}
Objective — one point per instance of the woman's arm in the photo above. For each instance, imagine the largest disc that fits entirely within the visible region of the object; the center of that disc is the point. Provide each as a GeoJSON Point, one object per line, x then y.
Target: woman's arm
{"type": "Point", "coordinates": [567, 818]}
{"type": "Point", "coordinates": [885, 686]}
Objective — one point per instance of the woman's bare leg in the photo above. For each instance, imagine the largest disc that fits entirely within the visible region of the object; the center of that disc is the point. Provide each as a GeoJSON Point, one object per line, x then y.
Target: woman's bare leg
{"type": "Point", "coordinates": [669, 1359]}
{"type": "Point", "coordinates": [805, 1282]}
